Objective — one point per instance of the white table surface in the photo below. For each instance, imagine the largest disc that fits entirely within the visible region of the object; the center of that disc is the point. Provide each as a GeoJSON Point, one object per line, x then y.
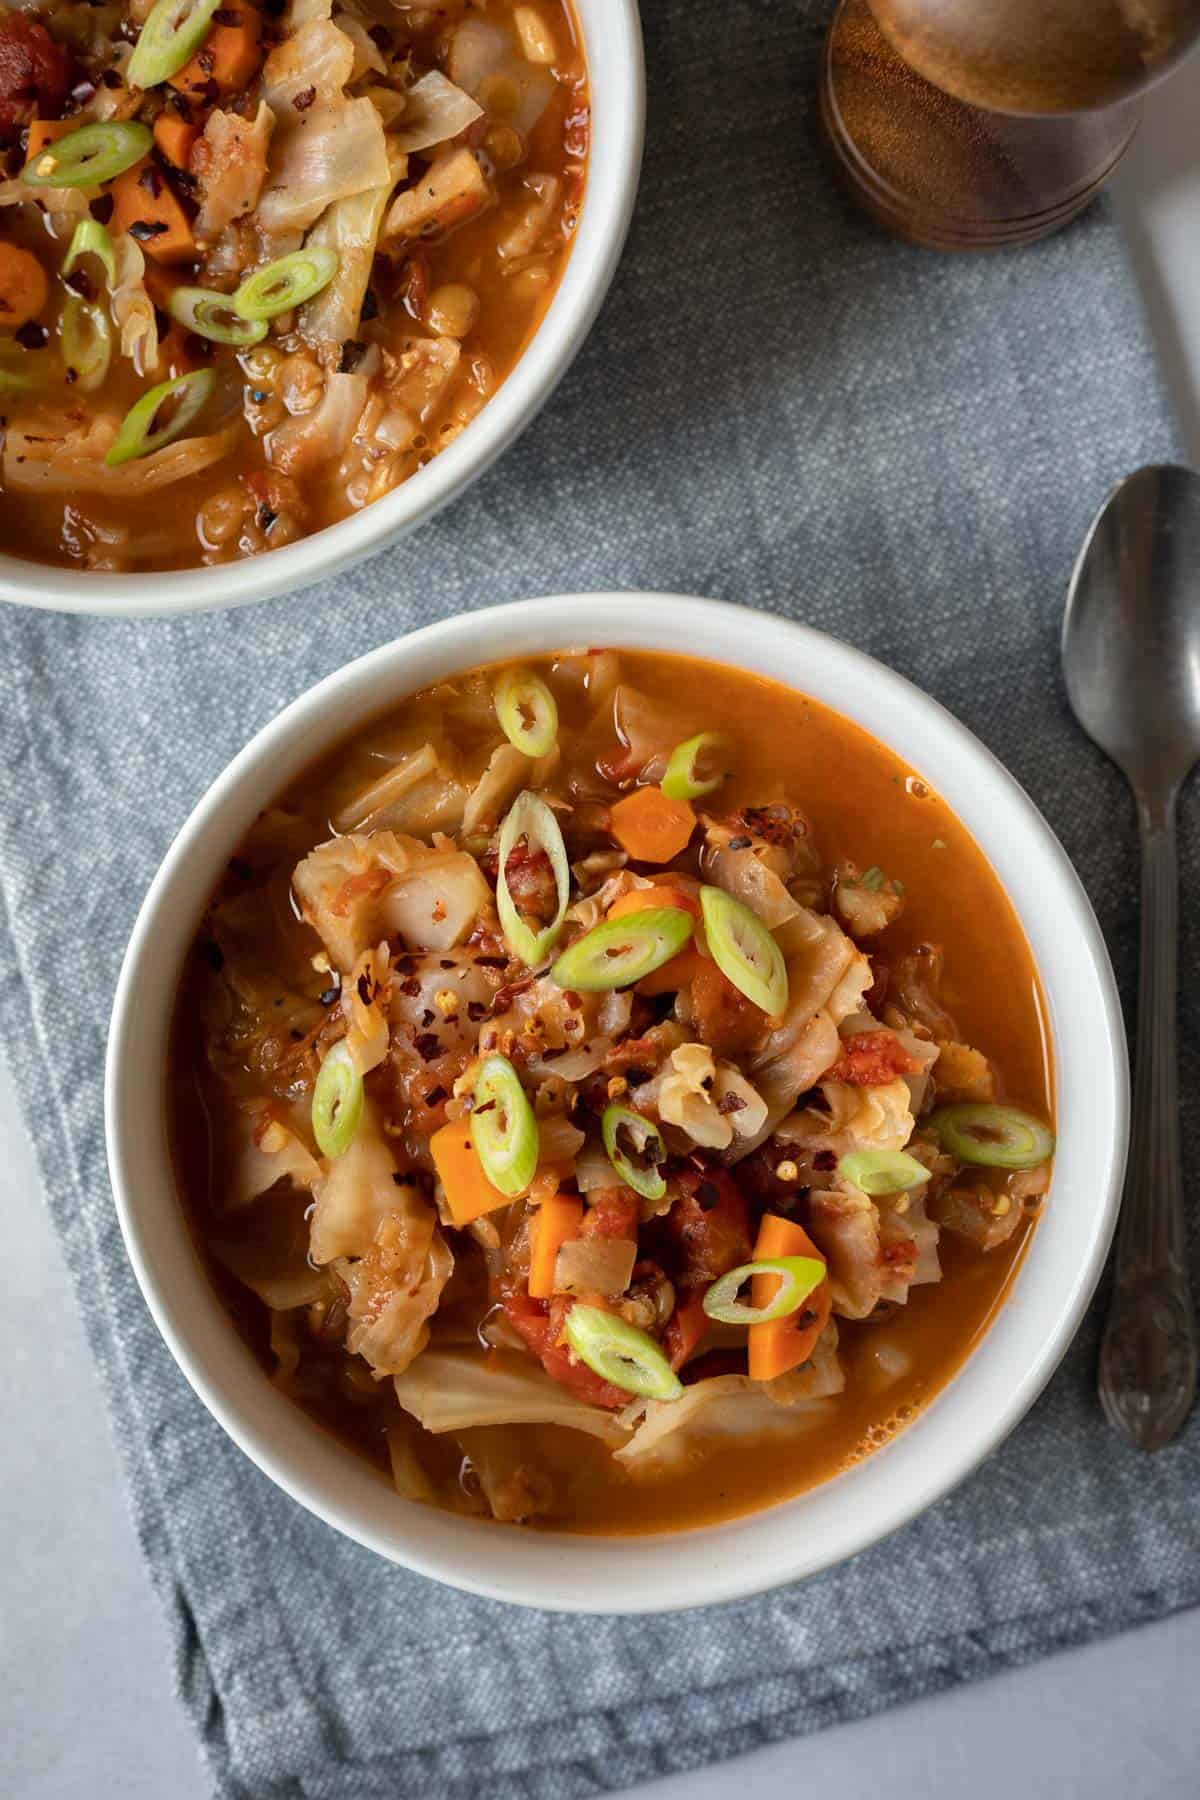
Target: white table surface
{"type": "Point", "coordinates": [86, 1707]}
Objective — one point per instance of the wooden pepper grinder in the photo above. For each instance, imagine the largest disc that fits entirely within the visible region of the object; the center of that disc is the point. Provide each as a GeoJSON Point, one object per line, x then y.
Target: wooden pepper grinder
{"type": "Point", "coordinates": [973, 124]}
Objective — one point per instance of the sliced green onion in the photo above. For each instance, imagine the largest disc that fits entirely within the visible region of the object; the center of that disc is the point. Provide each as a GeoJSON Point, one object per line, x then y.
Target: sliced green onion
{"type": "Point", "coordinates": [998, 1137]}
{"type": "Point", "coordinates": [93, 154]}
{"type": "Point", "coordinates": [527, 712]}
{"type": "Point", "coordinates": [531, 819]}
{"type": "Point", "coordinates": [86, 342]}
{"type": "Point", "coordinates": [883, 1171]}
{"type": "Point", "coordinates": [170, 37]}
{"type": "Point", "coordinates": [91, 239]}
{"type": "Point", "coordinates": [286, 283]}
{"type": "Point", "coordinates": [799, 1276]}
{"type": "Point", "coordinates": [337, 1102]}
{"type": "Point", "coordinates": [744, 950]}
{"type": "Point", "coordinates": [683, 780]}
{"type": "Point", "coordinates": [211, 315]}
{"type": "Point", "coordinates": [619, 952]}
{"type": "Point", "coordinates": [503, 1128]}
{"type": "Point", "coordinates": [621, 1354]}
{"type": "Point", "coordinates": [643, 1174]}
{"type": "Point", "coordinates": [138, 437]}
{"type": "Point", "coordinates": [872, 878]}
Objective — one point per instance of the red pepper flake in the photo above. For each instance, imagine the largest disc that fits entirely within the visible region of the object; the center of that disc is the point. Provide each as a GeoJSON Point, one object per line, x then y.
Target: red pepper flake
{"type": "Point", "coordinates": [304, 99]}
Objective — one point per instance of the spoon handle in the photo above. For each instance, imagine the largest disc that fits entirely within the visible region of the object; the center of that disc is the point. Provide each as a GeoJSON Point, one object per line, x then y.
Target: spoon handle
{"type": "Point", "coordinates": [1148, 1357]}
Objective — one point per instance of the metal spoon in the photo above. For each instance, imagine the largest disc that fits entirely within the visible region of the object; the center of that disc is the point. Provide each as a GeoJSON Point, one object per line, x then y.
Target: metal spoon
{"type": "Point", "coordinates": [1131, 658]}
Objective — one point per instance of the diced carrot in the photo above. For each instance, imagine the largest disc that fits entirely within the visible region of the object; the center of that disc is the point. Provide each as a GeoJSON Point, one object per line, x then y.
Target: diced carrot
{"type": "Point", "coordinates": [24, 289]}
{"type": "Point", "coordinates": [469, 1193]}
{"type": "Point", "coordinates": [679, 971]}
{"type": "Point", "coordinates": [687, 1327]}
{"type": "Point", "coordinates": [175, 137]}
{"type": "Point", "coordinates": [229, 55]}
{"type": "Point", "coordinates": [46, 131]}
{"type": "Point", "coordinates": [555, 1223]}
{"type": "Point", "coordinates": [784, 1343]}
{"type": "Point", "coordinates": [650, 827]}
{"type": "Point", "coordinates": [661, 893]}
{"type": "Point", "coordinates": [143, 197]}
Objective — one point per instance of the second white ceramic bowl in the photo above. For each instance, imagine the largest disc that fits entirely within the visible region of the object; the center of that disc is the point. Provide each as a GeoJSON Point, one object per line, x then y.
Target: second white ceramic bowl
{"type": "Point", "coordinates": [983, 1402]}
{"type": "Point", "coordinates": [613, 48]}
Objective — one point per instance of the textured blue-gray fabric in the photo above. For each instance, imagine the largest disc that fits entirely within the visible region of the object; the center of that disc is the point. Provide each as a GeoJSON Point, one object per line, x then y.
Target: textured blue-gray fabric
{"type": "Point", "coordinates": [778, 407]}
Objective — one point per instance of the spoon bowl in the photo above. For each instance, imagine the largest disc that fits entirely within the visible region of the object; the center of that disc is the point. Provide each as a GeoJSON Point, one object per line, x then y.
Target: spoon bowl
{"type": "Point", "coordinates": [1131, 638]}
{"type": "Point", "coordinates": [1131, 661]}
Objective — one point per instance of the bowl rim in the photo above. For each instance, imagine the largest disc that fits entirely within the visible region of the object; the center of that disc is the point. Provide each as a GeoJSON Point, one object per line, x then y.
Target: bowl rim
{"type": "Point", "coordinates": [978, 1406]}
{"type": "Point", "coordinates": [611, 30]}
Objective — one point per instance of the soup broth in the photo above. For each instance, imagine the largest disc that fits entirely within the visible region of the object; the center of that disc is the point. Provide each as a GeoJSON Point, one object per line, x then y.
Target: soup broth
{"type": "Point", "coordinates": [440, 1344]}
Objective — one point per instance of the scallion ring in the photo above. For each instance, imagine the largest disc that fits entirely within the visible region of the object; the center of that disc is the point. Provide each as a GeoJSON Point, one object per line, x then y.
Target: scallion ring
{"type": "Point", "coordinates": [744, 950]}
{"type": "Point", "coordinates": [94, 153]}
{"type": "Point", "coordinates": [619, 952]}
{"type": "Point", "coordinates": [171, 36]}
{"type": "Point", "coordinates": [883, 1171]}
{"type": "Point", "coordinates": [997, 1137]}
{"type": "Point", "coordinates": [621, 1354]}
{"type": "Point", "coordinates": [337, 1102]}
{"type": "Point", "coordinates": [531, 819]}
{"type": "Point", "coordinates": [799, 1276]}
{"type": "Point", "coordinates": [527, 712]}
{"type": "Point", "coordinates": [640, 1171]}
{"type": "Point", "coordinates": [91, 239]}
{"type": "Point", "coordinates": [683, 780]}
{"type": "Point", "coordinates": [86, 342]}
{"type": "Point", "coordinates": [211, 315]}
{"type": "Point", "coordinates": [503, 1128]}
{"type": "Point", "coordinates": [286, 283]}
{"type": "Point", "coordinates": [139, 436]}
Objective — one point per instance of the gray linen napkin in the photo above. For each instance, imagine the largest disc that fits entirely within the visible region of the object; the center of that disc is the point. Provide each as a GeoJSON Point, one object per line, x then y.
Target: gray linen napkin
{"type": "Point", "coordinates": [777, 407]}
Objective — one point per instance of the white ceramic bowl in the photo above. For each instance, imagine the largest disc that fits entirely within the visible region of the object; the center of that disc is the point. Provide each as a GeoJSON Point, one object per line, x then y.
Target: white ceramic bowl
{"type": "Point", "coordinates": [968, 1419]}
{"type": "Point", "coordinates": [613, 48]}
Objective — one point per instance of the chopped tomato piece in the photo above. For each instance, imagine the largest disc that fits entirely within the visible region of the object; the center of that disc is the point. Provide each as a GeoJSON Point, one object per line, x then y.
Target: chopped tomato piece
{"type": "Point", "coordinates": [709, 1224]}
{"type": "Point", "coordinates": [872, 1059]}
{"type": "Point", "coordinates": [541, 1325]}
{"type": "Point", "coordinates": [35, 74]}
{"type": "Point", "coordinates": [613, 1213]}
{"type": "Point", "coordinates": [725, 1020]}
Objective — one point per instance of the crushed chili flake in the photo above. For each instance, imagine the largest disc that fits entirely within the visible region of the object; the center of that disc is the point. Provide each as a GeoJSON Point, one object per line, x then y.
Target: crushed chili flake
{"type": "Point", "coordinates": [304, 99]}
{"type": "Point", "coordinates": [427, 1045]}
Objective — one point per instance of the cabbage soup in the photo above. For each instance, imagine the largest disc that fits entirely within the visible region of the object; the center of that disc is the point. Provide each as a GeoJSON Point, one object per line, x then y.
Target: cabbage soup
{"type": "Point", "coordinates": [259, 262]}
{"type": "Point", "coordinates": [610, 1092]}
